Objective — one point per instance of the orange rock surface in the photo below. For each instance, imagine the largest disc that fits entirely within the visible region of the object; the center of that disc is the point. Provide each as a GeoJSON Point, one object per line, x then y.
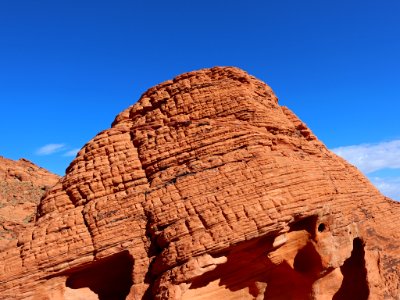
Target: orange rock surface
{"type": "Point", "coordinates": [22, 184]}
{"type": "Point", "coordinates": [208, 189]}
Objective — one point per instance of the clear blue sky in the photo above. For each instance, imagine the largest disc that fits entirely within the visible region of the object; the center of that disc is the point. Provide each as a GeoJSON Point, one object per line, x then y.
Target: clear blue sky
{"type": "Point", "coordinates": [68, 67]}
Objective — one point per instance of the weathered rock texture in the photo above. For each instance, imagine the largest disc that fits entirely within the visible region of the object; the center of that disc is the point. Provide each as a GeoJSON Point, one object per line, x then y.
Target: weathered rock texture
{"type": "Point", "coordinates": [22, 184]}
{"type": "Point", "coordinates": [208, 189]}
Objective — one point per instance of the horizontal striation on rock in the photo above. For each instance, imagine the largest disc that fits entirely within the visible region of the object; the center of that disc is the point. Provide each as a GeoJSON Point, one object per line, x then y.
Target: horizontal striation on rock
{"type": "Point", "coordinates": [204, 176]}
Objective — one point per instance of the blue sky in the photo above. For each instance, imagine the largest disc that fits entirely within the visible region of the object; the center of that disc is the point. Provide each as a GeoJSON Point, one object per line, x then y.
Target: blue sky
{"type": "Point", "coordinates": [68, 67]}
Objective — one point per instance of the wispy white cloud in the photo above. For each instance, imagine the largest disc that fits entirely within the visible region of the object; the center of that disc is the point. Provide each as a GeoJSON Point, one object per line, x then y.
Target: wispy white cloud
{"type": "Point", "coordinates": [72, 152]}
{"type": "Point", "coordinates": [372, 157]}
{"type": "Point", "coordinates": [50, 149]}
{"type": "Point", "coordinates": [388, 186]}
{"type": "Point", "coordinates": [380, 157]}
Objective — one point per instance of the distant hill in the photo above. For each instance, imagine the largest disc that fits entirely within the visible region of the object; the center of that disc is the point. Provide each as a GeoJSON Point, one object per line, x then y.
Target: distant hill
{"type": "Point", "coordinates": [22, 184]}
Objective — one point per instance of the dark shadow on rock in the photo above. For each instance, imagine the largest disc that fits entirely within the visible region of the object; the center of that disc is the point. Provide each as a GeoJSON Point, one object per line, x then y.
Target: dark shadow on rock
{"type": "Point", "coordinates": [110, 278]}
{"type": "Point", "coordinates": [354, 285]}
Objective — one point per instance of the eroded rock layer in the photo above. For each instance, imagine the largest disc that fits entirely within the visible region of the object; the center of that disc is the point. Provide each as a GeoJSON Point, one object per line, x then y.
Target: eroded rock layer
{"type": "Point", "coordinates": [208, 189]}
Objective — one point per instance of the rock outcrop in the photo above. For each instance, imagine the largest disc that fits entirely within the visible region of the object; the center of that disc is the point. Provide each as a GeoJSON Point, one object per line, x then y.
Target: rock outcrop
{"type": "Point", "coordinates": [22, 184]}
{"type": "Point", "coordinates": [208, 189]}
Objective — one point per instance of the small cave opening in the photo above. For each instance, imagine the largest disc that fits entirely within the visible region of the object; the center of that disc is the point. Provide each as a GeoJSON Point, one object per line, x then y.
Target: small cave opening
{"type": "Point", "coordinates": [321, 227]}
{"type": "Point", "coordinates": [308, 223]}
{"type": "Point", "coordinates": [354, 285]}
{"type": "Point", "coordinates": [110, 278]}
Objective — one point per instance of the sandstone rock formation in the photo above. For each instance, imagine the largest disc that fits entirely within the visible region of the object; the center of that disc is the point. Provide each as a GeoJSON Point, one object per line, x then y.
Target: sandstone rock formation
{"type": "Point", "coordinates": [22, 184]}
{"type": "Point", "coordinates": [208, 189]}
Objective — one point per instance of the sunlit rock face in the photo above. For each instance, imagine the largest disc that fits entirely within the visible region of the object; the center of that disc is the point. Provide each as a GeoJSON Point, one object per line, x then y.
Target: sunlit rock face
{"type": "Point", "coordinates": [207, 189]}
{"type": "Point", "coordinates": [22, 184]}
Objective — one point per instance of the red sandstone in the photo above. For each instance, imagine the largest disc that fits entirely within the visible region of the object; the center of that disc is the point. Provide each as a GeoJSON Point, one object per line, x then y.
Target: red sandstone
{"type": "Point", "coordinates": [208, 189]}
{"type": "Point", "coordinates": [22, 184]}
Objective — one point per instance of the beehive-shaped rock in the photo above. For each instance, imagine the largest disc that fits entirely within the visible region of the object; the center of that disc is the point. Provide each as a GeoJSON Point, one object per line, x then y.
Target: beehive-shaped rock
{"type": "Point", "coordinates": [208, 189]}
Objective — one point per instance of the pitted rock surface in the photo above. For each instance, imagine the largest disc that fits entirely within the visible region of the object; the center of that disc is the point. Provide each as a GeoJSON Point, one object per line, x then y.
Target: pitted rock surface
{"type": "Point", "coordinates": [22, 184]}
{"type": "Point", "coordinates": [208, 189]}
